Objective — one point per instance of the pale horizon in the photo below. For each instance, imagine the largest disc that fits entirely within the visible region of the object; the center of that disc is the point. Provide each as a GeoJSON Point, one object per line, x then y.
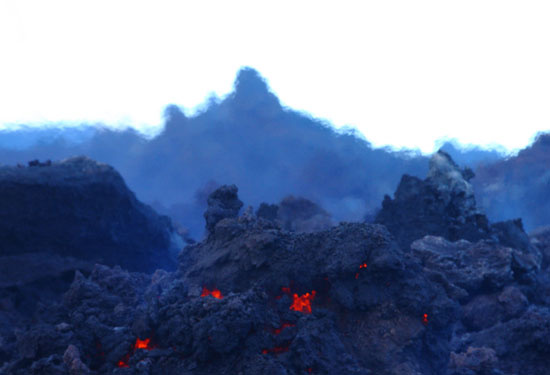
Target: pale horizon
{"type": "Point", "coordinates": [406, 75]}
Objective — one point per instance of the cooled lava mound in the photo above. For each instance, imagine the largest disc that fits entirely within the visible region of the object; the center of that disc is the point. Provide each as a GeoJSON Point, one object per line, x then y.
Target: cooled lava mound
{"type": "Point", "coordinates": [254, 298]}
{"type": "Point", "coordinates": [82, 209]}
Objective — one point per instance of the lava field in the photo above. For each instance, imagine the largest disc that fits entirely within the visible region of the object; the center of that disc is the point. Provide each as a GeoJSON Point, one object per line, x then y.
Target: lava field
{"type": "Point", "coordinates": [429, 287]}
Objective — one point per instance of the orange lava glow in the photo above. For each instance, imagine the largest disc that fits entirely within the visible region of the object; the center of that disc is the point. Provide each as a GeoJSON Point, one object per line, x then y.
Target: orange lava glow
{"type": "Point", "coordinates": [277, 331]}
{"type": "Point", "coordinates": [124, 361]}
{"type": "Point", "coordinates": [285, 290]}
{"type": "Point", "coordinates": [214, 293]}
{"type": "Point", "coordinates": [425, 319]}
{"type": "Point", "coordinates": [139, 344]}
{"type": "Point", "coordinates": [276, 350]}
{"type": "Point", "coordinates": [302, 303]}
{"type": "Point", "coordinates": [142, 344]}
{"type": "Point", "coordinates": [361, 266]}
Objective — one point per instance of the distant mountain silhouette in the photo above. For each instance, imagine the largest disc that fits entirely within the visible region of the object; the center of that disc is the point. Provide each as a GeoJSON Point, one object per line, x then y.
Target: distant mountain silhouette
{"type": "Point", "coordinates": [518, 186]}
{"type": "Point", "coordinates": [248, 139]}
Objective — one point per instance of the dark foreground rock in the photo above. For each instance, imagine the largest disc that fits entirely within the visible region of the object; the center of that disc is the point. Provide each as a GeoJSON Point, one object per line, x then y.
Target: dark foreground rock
{"type": "Point", "coordinates": [253, 298]}
{"type": "Point", "coordinates": [62, 217]}
{"type": "Point", "coordinates": [82, 209]}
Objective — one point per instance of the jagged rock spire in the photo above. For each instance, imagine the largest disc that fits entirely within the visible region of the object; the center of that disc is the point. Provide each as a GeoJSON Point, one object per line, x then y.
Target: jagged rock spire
{"type": "Point", "coordinates": [443, 205]}
{"type": "Point", "coordinates": [222, 203]}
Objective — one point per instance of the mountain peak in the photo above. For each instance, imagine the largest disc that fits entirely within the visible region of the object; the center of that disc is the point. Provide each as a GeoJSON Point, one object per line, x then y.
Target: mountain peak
{"type": "Point", "coordinates": [252, 92]}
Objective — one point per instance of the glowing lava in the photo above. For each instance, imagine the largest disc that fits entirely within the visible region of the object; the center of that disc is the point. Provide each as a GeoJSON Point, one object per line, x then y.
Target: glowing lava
{"type": "Point", "coordinates": [142, 344]}
{"type": "Point", "coordinates": [276, 350]}
{"type": "Point", "coordinates": [302, 303]}
{"type": "Point", "coordinates": [214, 293]}
{"type": "Point", "coordinates": [124, 361]}
{"type": "Point", "coordinates": [139, 344]}
{"type": "Point", "coordinates": [361, 266]}
{"type": "Point", "coordinates": [277, 331]}
{"type": "Point", "coordinates": [285, 290]}
{"type": "Point", "coordinates": [425, 319]}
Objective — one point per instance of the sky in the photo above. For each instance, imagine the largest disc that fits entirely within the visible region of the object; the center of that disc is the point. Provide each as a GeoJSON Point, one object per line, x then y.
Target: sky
{"type": "Point", "coordinates": [404, 73]}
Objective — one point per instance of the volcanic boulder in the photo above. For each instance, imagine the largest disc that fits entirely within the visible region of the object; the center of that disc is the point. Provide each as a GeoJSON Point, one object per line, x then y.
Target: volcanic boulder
{"type": "Point", "coordinates": [441, 205]}
{"type": "Point", "coordinates": [82, 209]}
{"type": "Point", "coordinates": [58, 218]}
{"type": "Point", "coordinates": [444, 205]}
{"type": "Point", "coordinates": [222, 203]}
{"type": "Point", "coordinates": [296, 214]}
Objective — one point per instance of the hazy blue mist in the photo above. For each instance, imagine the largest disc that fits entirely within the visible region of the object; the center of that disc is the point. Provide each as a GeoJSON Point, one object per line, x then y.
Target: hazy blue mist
{"type": "Point", "coordinates": [250, 140]}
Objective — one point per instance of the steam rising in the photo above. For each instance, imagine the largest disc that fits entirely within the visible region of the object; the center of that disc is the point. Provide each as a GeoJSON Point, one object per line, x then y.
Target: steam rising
{"type": "Point", "coordinates": [270, 152]}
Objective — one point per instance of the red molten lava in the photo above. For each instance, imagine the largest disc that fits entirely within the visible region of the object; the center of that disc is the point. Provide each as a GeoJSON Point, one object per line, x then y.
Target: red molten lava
{"type": "Point", "coordinates": [214, 293]}
{"type": "Point", "coordinates": [142, 344]}
{"type": "Point", "coordinates": [124, 361]}
{"type": "Point", "coordinates": [276, 350]}
{"type": "Point", "coordinates": [279, 349]}
{"type": "Point", "coordinates": [277, 331]}
{"type": "Point", "coordinates": [303, 303]}
{"type": "Point", "coordinates": [139, 344]}
{"type": "Point", "coordinates": [361, 266]}
{"type": "Point", "coordinates": [425, 319]}
{"type": "Point", "coordinates": [286, 290]}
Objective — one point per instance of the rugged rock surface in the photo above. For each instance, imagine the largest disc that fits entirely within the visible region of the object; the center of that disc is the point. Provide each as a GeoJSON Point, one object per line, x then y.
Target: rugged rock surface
{"type": "Point", "coordinates": [441, 205]}
{"type": "Point", "coordinates": [540, 238]}
{"type": "Point", "coordinates": [444, 205]}
{"type": "Point", "coordinates": [58, 218]}
{"type": "Point", "coordinates": [222, 203]}
{"type": "Point", "coordinates": [296, 214]}
{"type": "Point", "coordinates": [82, 209]}
{"type": "Point", "coordinates": [253, 298]}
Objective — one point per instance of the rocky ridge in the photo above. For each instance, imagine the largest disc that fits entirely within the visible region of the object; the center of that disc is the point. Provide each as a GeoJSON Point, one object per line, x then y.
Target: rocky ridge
{"type": "Point", "coordinates": [255, 298]}
{"type": "Point", "coordinates": [83, 209]}
{"type": "Point", "coordinates": [61, 217]}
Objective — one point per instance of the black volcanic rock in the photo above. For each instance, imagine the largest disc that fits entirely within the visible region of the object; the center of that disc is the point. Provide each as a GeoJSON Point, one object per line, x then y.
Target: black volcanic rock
{"type": "Point", "coordinates": [470, 267]}
{"type": "Point", "coordinates": [441, 205]}
{"type": "Point", "coordinates": [296, 214]}
{"type": "Point", "coordinates": [444, 205]}
{"type": "Point", "coordinates": [60, 218]}
{"type": "Point", "coordinates": [540, 238]}
{"type": "Point", "coordinates": [82, 209]}
{"type": "Point", "coordinates": [520, 346]}
{"type": "Point", "coordinates": [267, 211]}
{"type": "Point", "coordinates": [253, 298]}
{"type": "Point", "coordinates": [222, 203]}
